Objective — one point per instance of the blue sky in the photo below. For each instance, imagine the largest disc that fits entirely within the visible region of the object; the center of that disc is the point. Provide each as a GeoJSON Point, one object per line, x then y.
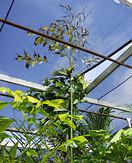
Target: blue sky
{"type": "Point", "coordinates": [109, 24]}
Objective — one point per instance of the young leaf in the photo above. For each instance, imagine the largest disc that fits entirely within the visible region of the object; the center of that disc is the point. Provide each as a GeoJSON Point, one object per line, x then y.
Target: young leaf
{"type": "Point", "coordinates": [33, 100]}
{"type": "Point", "coordinates": [44, 28]}
{"type": "Point", "coordinates": [65, 119]}
{"type": "Point", "coordinates": [38, 40]}
{"type": "Point", "coordinates": [54, 103]}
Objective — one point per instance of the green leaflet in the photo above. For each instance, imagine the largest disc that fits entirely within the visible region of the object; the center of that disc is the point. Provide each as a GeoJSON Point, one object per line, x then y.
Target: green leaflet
{"type": "Point", "coordinates": [3, 136]}
{"type": "Point", "coordinates": [117, 137]}
{"type": "Point", "coordinates": [121, 133]}
{"type": "Point", "coordinates": [16, 94]}
{"type": "Point", "coordinates": [38, 40]}
{"type": "Point", "coordinates": [66, 118]}
{"type": "Point", "coordinates": [128, 132]}
{"type": "Point", "coordinates": [4, 123]}
{"type": "Point", "coordinates": [44, 28]}
{"type": "Point", "coordinates": [74, 142]}
{"type": "Point", "coordinates": [5, 90]}
{"type": "Point", "coordinates": [54, 103]}
{"type": "Point", "coordinates": [31, 152]}
{"type": "Point", "coordinates": [33, 100]}
{"type": "Point", "coordinates": [80, 139]}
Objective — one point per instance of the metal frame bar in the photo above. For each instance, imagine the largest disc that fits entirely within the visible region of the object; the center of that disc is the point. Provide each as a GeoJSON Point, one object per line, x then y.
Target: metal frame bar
{"type": "Point", "coordinates": [63, 42]}
{"type": "Point", "coordinates": [106, 104]}
{"type": "Point", "coordinates": [122, 58]}
{"type": "Point", "coordinates": [110, 55]}
{"type": "Point", "coordinates": [12, 80]}
{"type": "Point", "coordinates": [39, 87]}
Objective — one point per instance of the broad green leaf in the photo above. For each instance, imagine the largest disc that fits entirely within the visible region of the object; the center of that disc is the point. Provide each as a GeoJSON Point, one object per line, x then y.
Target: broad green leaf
{"type": "Point", "coordinates": [70, 123]}
{"type": "Point", "coordinates": [28, 63]}
{"type": "Point", "coordinates": [77, 117]}
{"type": "Point", "coordinates": [54, 103]}
{"type": "Point", "coordinates": [3, 136]}
{"type": "Point", "coordinates": [80, 139]}
{"type": "Point", "coordinates": [16, 94]}
{"type": "Point", "coordinates": [74, 142]}
{"type": "Point", "coordinates": [65, 119]}
{"type": "Point", "coordinates": [33, 100]}
{"type": "Point", "coordinates": [4, 123]}
{"type": "Point", "coordinates": [19, 93]}
{"type": "Point", "coordinates": [128, 132]}
{"type": "Point", "coordinates": [3, 104]}
{"type": "Point", "coordinates": [31, 152]}
{"type": "Point", "coordinates": [117, 137]}
{"type": "Point", "coordinates": [62, 117]}
{"type": "Point", "coordinates": [62, 147]}
{"type": "Point", "coordinates": [17, 97]}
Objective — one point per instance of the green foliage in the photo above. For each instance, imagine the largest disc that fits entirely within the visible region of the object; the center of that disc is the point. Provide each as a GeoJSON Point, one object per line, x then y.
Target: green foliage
{"type": "Point", "coordinates": [75, 142]}
{"type": "Point", "coordinates": [52, 129]}
{"type": "Point", "coordinates": [97, 122]}
{"type": "Point", "coordinates": [4, 123]}
{"type": "Point", "coordinates": [69, 28]}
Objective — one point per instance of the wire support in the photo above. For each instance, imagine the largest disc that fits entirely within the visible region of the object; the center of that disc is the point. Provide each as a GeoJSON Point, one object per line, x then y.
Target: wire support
{"type": "Point", "coordinates": [64, 42]}
{"type": "Point", "coordinates": [110, 55]}
{"type": "Point", "coordinates": [7, 14]}
{"type": "Point", "coordinates": [124, 81]}
{"type": "Point", "coordinates": [102, 114]}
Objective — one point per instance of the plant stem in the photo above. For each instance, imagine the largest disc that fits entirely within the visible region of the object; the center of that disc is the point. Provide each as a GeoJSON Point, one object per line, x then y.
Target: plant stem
{"type": "Point", "coordinates": [71, 107]}
{"type": "Point", "coordinates": [71, 130]}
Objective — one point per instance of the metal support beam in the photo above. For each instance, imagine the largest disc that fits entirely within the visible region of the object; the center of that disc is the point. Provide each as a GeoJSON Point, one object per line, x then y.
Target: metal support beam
{"type": "Point", "coordinates": [64, 42]}
{"type": "Point", "coordinates": [28, 84]}
{"type": "Point", "coordinates": [104, 103]}
{"type": "Point", "coordinates": [109, 70]}
{"type": "Point", "coordinates": [12, 80]}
